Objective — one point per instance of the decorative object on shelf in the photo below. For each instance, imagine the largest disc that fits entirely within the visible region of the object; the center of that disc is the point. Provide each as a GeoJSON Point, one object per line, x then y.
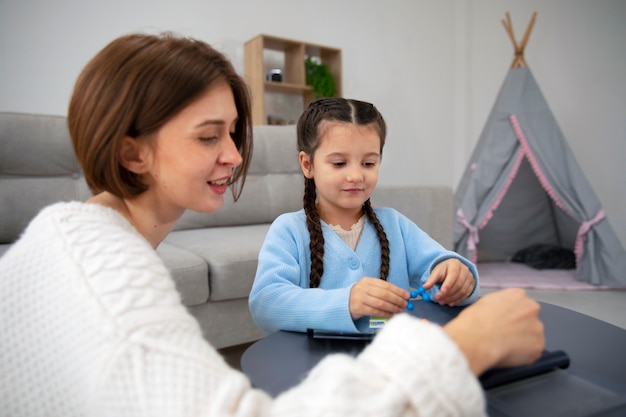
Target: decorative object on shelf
{"type": "Point", "coordinates": [270, 97]}
{"type": "Point", "coordinates": [275, 75]}
{"type": "Point", "coordinates": [276, 120]}
{"type": "Point", "coordinates": [319, 77]}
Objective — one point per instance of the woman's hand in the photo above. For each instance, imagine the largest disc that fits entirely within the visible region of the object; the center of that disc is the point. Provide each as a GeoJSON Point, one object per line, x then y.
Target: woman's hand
{"type": "Point", "coordinates": [457, 281]}
{"type": "Point", "coordinates": [377, 298]}
{"type": "Point", "coordinates": [500, 329]}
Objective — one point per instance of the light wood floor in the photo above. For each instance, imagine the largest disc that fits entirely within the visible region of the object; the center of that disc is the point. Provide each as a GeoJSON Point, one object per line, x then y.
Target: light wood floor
{"type": "Point", "coordinates": [232, 354]}
{"type": "Point", "coordinates": [608, 306]}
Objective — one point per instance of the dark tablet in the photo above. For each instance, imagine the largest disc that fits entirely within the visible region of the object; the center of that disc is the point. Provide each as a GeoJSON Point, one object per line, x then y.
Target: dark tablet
{"type": "Point", "coordinates": [547, 362]}
{"type": "Point", "coordinates": [328, 334]}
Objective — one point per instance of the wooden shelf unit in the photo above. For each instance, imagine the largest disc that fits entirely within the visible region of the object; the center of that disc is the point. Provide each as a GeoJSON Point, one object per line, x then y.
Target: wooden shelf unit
{"type": "Point", "coordinates": [294, 76]}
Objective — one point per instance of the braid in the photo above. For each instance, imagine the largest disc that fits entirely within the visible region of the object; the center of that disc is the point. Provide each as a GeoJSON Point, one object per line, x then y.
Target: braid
{"type": "Point", "coordinates": [316, 246]}
{"type": "Point", "coordinates": [382, 237]}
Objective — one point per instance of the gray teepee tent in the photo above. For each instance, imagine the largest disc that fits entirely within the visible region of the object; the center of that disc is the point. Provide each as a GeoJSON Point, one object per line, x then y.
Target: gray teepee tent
{"type": "Point", "coordinates": [523, 186]}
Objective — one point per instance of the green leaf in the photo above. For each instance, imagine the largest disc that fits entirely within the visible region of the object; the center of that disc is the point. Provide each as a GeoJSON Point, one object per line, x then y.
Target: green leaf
{"type": "Point", "coordinates": [319, 77]}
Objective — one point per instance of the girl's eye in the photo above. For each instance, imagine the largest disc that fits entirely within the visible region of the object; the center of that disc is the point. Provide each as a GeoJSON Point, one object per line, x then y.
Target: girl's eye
{"type": "Point", "coordinates": [369, 164]}
{"type": "Point", "coordinates": [339, 164]}
{"type": "Point", "coordinates": [208, 139]}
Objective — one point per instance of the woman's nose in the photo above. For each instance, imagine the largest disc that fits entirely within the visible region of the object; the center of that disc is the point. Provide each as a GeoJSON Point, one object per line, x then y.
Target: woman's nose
{"type": "Point", "coordinates": [229, 154]}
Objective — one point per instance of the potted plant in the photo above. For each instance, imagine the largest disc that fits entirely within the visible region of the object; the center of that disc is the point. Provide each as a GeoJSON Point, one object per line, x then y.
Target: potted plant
{"type": "Point", "coordinates": [319, 77]}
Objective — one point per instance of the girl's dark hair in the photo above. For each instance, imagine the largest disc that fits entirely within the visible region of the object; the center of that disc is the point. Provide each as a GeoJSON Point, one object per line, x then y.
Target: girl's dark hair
{"type": "Point", "coordinates": [135, 85]}
{"type": "Point", "coordinates": [311, 126]}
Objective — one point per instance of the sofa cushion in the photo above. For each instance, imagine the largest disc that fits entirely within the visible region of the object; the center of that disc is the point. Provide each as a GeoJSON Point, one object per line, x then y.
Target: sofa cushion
{"type": "Point", "coordinates": [430, 207]}
{"type": "Point", "coordinates": [190, 273]}
{"type": "Point", "coordinates": [31, 180]}
{"type": "Point", "coordinates": [230, 252]}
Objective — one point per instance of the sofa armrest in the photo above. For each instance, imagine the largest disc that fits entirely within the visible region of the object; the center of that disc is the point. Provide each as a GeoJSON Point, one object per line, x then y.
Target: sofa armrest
{"type": "Point", "coordinates": [429, 206]}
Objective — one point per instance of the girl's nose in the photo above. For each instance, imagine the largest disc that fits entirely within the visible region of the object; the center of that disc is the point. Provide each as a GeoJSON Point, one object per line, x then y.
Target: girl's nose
{"type": "Point", "coordinates": [355, 176]}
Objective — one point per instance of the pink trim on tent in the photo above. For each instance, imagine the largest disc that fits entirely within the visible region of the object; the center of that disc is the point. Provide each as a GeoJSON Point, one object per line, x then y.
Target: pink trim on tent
{"type": "Point", "coordinates": [472, 239]}
{"type": "Point", "coordinates": [582, 232]}
{"type": "Point", "coordinates": [535, 166]}
{"type": "Point", "coordinates": [505, 189]}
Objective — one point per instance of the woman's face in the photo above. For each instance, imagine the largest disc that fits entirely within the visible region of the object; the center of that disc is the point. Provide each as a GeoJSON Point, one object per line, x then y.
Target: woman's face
{"type": "Point", "coordinates": [193, 155]}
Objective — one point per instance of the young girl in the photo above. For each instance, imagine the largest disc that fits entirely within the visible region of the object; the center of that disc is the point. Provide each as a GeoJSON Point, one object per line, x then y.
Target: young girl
{"type": "Point", "coordinates": [338, 262]}
{"type": "Point", "coordinates": [90, 320]}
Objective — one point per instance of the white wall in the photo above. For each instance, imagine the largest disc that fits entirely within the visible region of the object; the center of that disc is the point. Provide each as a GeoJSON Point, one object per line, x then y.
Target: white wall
{"type": "Point", "coordinates": [432, 67]}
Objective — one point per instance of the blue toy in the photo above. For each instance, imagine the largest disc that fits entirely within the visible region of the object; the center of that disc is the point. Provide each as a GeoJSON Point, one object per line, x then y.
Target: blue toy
{"type": "Point", "coordinates": [419, 294]}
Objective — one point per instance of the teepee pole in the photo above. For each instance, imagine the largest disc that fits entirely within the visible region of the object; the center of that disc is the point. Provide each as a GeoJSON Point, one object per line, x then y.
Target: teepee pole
{"type": "Point", "coordinates": [518, 60]}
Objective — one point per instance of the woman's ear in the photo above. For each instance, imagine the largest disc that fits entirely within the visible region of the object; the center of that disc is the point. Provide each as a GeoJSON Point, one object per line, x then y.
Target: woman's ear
{"type": "Point", "coordinates": [134, 155]}
{"type": "Point", "coordinates": [306, 164]}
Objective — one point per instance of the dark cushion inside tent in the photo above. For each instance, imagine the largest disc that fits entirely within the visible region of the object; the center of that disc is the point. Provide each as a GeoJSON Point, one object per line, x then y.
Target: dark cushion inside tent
{"type": "Point", "coordinates": [546, 257]}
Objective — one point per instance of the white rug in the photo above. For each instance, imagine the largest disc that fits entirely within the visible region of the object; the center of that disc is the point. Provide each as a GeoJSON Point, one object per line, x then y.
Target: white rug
{"type": "Point", "coordinates": [513, 274]}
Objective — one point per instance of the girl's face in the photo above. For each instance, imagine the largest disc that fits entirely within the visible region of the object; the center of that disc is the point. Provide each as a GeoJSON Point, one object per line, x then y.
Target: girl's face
{"type": "Point", "coordinates": [192, 157]}
{"type": "Point", "coordinates": [345, 169]}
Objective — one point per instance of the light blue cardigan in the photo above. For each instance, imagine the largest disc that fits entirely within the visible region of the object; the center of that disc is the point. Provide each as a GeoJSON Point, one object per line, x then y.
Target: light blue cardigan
{"type": "Point", "coordinates": [281, 299]}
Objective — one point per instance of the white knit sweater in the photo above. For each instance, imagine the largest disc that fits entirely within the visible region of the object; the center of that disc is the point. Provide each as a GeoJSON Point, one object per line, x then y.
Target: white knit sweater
{"type": "Point", "coordinates": [91, 325]}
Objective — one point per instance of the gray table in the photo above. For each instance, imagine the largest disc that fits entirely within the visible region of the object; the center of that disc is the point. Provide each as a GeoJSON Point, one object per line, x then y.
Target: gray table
{"type": "Point", "coordinates": [593, 385]}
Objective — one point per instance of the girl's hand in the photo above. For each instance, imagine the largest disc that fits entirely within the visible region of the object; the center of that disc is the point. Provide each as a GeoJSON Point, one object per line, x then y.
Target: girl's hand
{"type": "Point", "coordinates": [377, 298]}
{"type": "Point", "coordinates": [457, 281]}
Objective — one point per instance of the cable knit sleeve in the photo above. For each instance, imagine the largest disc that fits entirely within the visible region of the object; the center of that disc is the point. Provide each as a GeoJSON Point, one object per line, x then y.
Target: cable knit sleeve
{"type": "Point", "coordinates": [399, 374]}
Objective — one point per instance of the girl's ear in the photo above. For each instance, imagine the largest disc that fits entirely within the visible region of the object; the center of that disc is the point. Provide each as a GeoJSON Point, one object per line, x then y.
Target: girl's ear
{"type": "Point", "coordinates": [134, 155]}
{"type": "Point", "coordinates": [306, 164]}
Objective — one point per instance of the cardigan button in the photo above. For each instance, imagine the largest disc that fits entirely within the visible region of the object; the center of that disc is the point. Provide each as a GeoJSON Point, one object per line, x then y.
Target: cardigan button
{"type": "Point", "coordinates": [354, 264]}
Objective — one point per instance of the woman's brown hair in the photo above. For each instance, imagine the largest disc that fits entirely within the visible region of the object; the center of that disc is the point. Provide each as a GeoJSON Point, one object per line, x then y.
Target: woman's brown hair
{"type": "Point", "coordinates": [135, 85]}
{"type": "Point", "coordinates": [311, 125]}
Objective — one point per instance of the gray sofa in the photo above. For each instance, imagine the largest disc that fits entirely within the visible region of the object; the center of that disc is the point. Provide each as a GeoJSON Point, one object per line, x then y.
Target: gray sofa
{"type": "Point", "coordinates": [212, 257]}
